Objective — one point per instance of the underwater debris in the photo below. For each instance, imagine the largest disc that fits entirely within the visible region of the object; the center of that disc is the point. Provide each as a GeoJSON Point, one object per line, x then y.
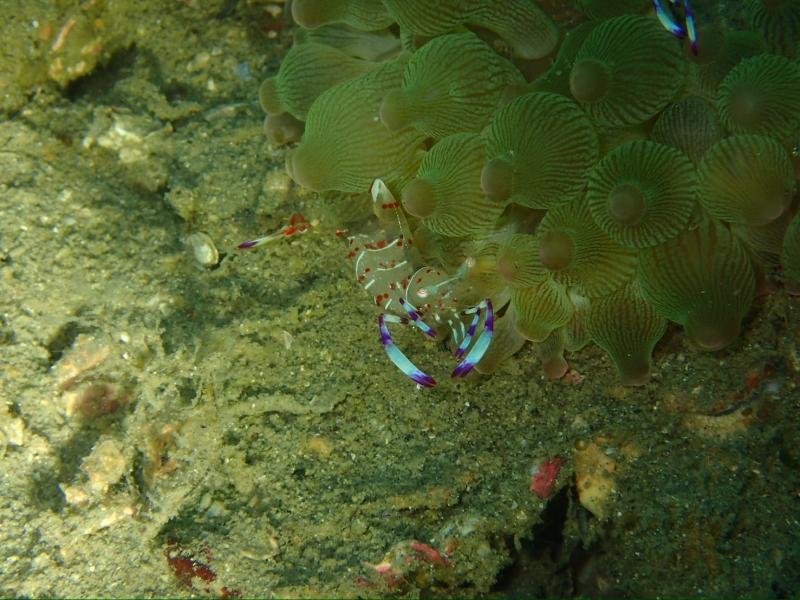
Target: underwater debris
{"type": "Point", "coordinates": [95, 399]}
{"type": "Point", "coordinates": [545, 475]}
{"type": "Point", "coordinates": [103, 468]}
{"type": "Point", "coordinates": [194, 573]}
{"type": "Point", "coordinates": [204, 251]}
{"type": "Point", "coordinates": [12, 429]}
{"type": "Point", "coordinates": [595, 477]}
{"type": "Point", "coordinates": [410, 562]}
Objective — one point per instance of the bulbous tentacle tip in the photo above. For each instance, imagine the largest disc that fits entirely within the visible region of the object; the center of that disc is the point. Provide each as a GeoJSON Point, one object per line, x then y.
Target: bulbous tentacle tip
{"type": "Point", "coordinates": [746, 104]}
{"type": "Point", "coordinates": [518, 263]}
{"type": "Point", "coordinates": [589, 80]}
{"type": "Point", "coordinates": [636, 375]}
{"type": "Point", "coordinates": [269, 97]}
{"type": "Point", "coordinates": [419, 198]}
{"type": "Point", "coordinates": [507, 267]}
{"type": "Point", "coordinates": [626, 204]}
{"type": "Point", "coordinates": [283, 129]}
{"type": "Point", "coordinates": [555, 367]}
{"type": "Point", "coordinates": [394, 111]}
{"type": "Point", "coordinates": [556, 250]}
{"type": "Point", "coordinates": [497, 179]}
{"type": "Point", "coordinates": [313, 13]}
{"type": "Point", "coordinates": [711, 336]}
{"type": "Point", "coordinates": [304, 170]}
{"type": "Point", "coordinates": [759, 95]}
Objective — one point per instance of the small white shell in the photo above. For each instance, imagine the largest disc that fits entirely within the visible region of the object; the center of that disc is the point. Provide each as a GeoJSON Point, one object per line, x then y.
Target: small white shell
{"type": "Point", "coordinates": [203, 249]}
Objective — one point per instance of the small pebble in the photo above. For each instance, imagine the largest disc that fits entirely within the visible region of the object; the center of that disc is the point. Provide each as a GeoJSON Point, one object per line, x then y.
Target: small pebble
{"type": "Point", "coordinates": [203, 249]}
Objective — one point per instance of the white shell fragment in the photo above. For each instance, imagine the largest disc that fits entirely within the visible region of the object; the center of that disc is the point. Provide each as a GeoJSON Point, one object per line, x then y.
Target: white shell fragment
{"type": "Point", "coordinates": [203, 249]}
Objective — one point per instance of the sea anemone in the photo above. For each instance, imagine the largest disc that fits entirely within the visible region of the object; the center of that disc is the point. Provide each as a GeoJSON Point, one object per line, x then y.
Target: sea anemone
{"type": "Point", "coordinates": [307, 71]}
{"type": "Point", "coordinates": [761, 95]}
{"type": "Point", "coordinates": [372, 46]}
{"type": "Point", "coordinates": [701, 279]}
{"type": "Point", "coordinates": [642, 193]}
{"type": "Point", "coordinates": [747, 179]}
{"type": "Point", "coordinates": [521, 24]}
{"type": "Point", "coordinates": [603, 9]}
{"type": "Point", "coordinates": [592, 196]}
{"type": "Point", "coordinates": [452, 84]}
{"type": "Point", "coordinates": [518, 261]}
{"type": "Point", "coordinates": [283, 129]}
{"type": "Point", "coordinates": [546, 144]}
{"type": "Point", "coordinates": [446, 192]}
{"type": "Point", "coordinates": [627, 328]}
{"type": "Point", "coordinates": [360, 14]}
{"type": "Point", "coordinates": [540, 309]}
{"type": "Point", "coordinates": [690, 125]}
{"type": "Point", "coordinates": [556, 78]}
{"type": "Point", "coordinates": [577, 253]}
{"type": "Point", "coordinates": [627, 70]}
{"type": "Point", "coordinates": [345, 147]}
{"type": "Point", "coordinates": [779, 22]}
{"type": "Point", "coordinates": [720, 56]}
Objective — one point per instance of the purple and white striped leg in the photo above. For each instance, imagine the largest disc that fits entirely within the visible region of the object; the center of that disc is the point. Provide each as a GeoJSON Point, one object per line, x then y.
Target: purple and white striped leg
{"type": "Point", "coordinates": [467, 340]}
{"type": "Point", "coordinates": [481, 344]}
{"type": "Point", "coordinates": [396, 355]}
{"type": "Point", "coordinates": [667, 19]}
{"type": "Point", "coordinates": [691, 26]}
{"type": "Point", "coordinates": [416, 319]}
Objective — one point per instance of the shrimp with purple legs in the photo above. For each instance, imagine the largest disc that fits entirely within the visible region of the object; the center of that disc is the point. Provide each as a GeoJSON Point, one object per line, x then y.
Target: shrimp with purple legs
{"type": "Point", "coordinates": [679, 26]}
{"type": "Point", "coordinates": [385, 269]}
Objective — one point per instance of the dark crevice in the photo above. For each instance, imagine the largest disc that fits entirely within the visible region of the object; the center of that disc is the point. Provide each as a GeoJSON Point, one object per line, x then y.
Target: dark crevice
{"type": "Point", "coordinates": [63, 339]}
{"type": "Point", "coordinates": [45, 491]}
{"type": "Point", "coordinates": [540, 567]}
{"type": "Point", "coordinates": [101, 81]}
{"type": "Point", "coordinates": [228, 9]}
